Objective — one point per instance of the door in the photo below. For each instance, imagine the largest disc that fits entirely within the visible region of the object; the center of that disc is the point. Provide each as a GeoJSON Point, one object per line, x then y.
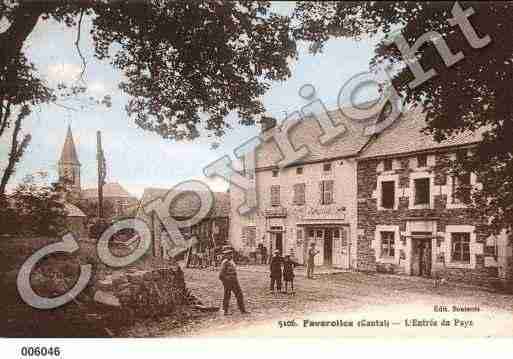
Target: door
{"type": "Point", "coordinates": [425, 259]}
{"type": "Point", "coordinates": [278, 242]}
{"type": "Point", "coordinates": [421, 259]}
{"type": "Point", "coordinates": [341, 247]}
{"type": "Point", "coordinates": [276, 239]}
{"type": "Point", "coordinates": [315, 235]}
{"type": "Point", "coordinates": [328, 247]}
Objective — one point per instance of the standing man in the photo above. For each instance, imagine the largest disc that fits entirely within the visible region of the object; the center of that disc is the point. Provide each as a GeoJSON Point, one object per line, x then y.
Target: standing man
{"type": "Point", "coordinates": [276, 272]}
{"type": "Point", "coordinates": [228, 276]}
{"type": "Point", "coordinates": [264, 254]}
{"type": "Point", "coordinates": [312, 252]}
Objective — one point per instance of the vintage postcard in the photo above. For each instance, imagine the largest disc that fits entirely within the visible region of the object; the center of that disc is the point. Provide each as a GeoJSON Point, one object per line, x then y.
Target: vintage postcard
{"type": "Point", "coordinates": [255, 169]}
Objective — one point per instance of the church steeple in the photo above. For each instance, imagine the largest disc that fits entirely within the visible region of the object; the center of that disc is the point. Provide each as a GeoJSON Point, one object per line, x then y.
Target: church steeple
{"type": "Point", "coordinates": [69, 153]}
{"type": "Point", "coordinates": [69, 165]}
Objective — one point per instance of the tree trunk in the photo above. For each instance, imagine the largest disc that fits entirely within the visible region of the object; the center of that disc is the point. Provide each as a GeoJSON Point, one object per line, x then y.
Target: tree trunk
{"type": "Point", "coordinates": [17, 149]}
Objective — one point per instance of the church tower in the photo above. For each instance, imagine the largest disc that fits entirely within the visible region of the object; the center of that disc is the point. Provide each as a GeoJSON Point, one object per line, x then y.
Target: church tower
{"type": "Point", "coordinates": [69, 166]}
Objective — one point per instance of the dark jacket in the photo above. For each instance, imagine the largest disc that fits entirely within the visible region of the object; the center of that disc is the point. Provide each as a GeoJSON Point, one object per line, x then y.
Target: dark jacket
{"type": "Point", "coordinates": [275, 266]}
{"type": "Point", "coordinates": [228, 273]}
{"type": "Point", "coordinates": [288, 269]}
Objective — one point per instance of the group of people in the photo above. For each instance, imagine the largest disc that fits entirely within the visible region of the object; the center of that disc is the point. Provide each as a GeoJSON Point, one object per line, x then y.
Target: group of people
{"type": "Point", "coordinates": [280, 268]}
{"type": "Point", "coordinates": [260, 254]}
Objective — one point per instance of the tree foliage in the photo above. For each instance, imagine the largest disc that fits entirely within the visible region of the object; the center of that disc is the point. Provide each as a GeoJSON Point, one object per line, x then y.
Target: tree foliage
{"type": "Point", "coordinates": [186, 65]}
{"type": "Point", "coordinates": [471, 95]}
{"type": "Point", "coordinates": [180, 60]}
{"type": "Point", "coordinates": [33, 209]}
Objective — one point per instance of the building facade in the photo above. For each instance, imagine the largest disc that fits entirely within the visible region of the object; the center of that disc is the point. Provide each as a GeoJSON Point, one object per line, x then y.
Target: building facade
{"type": "Point", "coordinates": [212, 230]}
{"type": "Point", "coordinates": [385, 202]}
{"type": "Point", "coordinates": [412, 213]}
{"type": "Point", "coordinates": [117, 197]}
{"type": "Point", "coordinates": [312, 201]}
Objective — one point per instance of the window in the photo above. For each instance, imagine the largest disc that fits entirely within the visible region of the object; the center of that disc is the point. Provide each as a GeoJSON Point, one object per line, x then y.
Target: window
{"type": "Point", "coordinates": [388, 194]}
{"type": "Point", "coordinates": [422, 191]}
{"type": "Point", "coordinates": [326, 189]}
{"type": "Point", "coordinates": [461, 189]}
{"type": "Point", "coordinates": [275, 173]}
{"type": "Point", "coordinates": [299, 170]}
{"type": "Point", "coordinates": [387, 165]}
{"type": "Point", "coordinates": [460, 247]}
{"type": "Point", "coordinates": [299, 234]}
{"type": "Point", "coordinates": [421, 160]}
{"type": "Point", "coordinates": [326, 167]}
{"type": "Point", "coordinates": [299, 194]}
{"type": "Point", "coordinates": [275, 196]}
{"type": "Point", "coordinates": [387, 244]}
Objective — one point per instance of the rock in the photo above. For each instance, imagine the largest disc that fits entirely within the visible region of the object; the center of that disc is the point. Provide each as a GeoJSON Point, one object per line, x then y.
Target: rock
{"type": "Point", "coordinates": [106, 298]}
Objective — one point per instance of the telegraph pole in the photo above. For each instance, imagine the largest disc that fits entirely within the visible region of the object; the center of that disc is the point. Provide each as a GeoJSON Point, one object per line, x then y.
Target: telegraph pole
{"type": "Point", "coordinates": [101, 172]}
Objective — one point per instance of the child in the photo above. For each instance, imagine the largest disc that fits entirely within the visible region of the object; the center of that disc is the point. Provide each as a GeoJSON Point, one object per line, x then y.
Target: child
{"type": "Point", "coordinates": [288, 272]}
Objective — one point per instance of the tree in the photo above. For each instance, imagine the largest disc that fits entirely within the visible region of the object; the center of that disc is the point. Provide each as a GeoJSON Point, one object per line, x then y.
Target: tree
{"type": "Point", "coordinates": [15, 103]}
{"type": "Point", "coordinates": [186, 64]}
{"type": "Point", "coordinates": [33, 209]}
{"type": "Point", "coordinates": [472, 94]}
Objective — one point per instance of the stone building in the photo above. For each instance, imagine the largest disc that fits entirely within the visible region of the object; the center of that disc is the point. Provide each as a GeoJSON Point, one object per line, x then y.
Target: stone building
{"type": "Point", "coordinates": [118, 197]}
{"type": "Point", "coordinates": [313, 200]}
{"type": "Point", "coordinates": [213, 230]}
{"type": "Point", "coordinates": [410, 220]}
{"type": "Point", "coordinates": [214, 226]}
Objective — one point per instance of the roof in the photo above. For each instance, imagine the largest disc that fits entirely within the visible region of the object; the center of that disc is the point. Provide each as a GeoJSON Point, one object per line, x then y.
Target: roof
{"type": "Point", "coordinates": [308, 131]}
{"type": "Point", "coordinates": [405, 136]}
{"type": "Point", "coordinates": [187, 203]}
{"type": "Point", "coordinates": [109, 190]}
{"type": "Point", "coordinates": [73, 211]}
{"type": "Point", "coordinates": [69, 153]}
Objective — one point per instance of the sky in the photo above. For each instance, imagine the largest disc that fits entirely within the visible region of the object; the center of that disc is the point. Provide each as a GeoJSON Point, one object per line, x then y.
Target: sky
{"type": "Point", "coordinates": [136, 158]}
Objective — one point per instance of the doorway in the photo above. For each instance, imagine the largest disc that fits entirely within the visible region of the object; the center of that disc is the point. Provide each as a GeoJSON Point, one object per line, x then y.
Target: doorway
{"type": "Point", "coordinates": [277, 239]}
{"type": "Point", "coordinates": [328, 247]}
{"type": "Point", "coordinates": [421, 254]}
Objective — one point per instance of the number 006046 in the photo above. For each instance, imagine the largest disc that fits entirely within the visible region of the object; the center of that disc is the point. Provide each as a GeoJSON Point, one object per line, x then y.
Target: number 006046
{"type": "Point", "coordinates": [40, 351]}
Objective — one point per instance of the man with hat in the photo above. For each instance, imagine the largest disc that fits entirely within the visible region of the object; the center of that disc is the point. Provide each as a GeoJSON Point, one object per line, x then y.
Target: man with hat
{"type": "Point", "coordinates": [312, 252]}
{"type": "Point", "coordinates": [228, 276]}
{"type": "Point", "coordinates": [276, 272]}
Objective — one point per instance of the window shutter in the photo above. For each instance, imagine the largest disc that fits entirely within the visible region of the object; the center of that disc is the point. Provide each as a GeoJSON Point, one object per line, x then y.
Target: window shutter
{"type": "Point", "coordinates": [301, 193]}
{"type": "Point", "coordinates": [329, 191]}
{"type": "Point", "coordinates": [275, 195]}
{"type": "Point", "coordinates": [321, 192]}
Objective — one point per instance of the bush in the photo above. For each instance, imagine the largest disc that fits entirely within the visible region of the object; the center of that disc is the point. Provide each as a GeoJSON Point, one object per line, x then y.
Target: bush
{"type": "Point", "coordinates": [32, 210]}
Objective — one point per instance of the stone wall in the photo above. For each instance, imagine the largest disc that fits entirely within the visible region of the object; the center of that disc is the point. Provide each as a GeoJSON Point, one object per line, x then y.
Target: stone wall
{"type": "Point", "coordinates": [143, 292]}
{"type": "Point", "coordinates": [439, 213]}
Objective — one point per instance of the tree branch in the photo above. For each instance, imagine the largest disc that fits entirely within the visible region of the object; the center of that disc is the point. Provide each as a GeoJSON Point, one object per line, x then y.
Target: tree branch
{"type": "Point", "coordinates": [17, 149]}
{"type": "Point", "coordinates": [77, 45]}
{"type": "Point", "coordinates": [4, 116]}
